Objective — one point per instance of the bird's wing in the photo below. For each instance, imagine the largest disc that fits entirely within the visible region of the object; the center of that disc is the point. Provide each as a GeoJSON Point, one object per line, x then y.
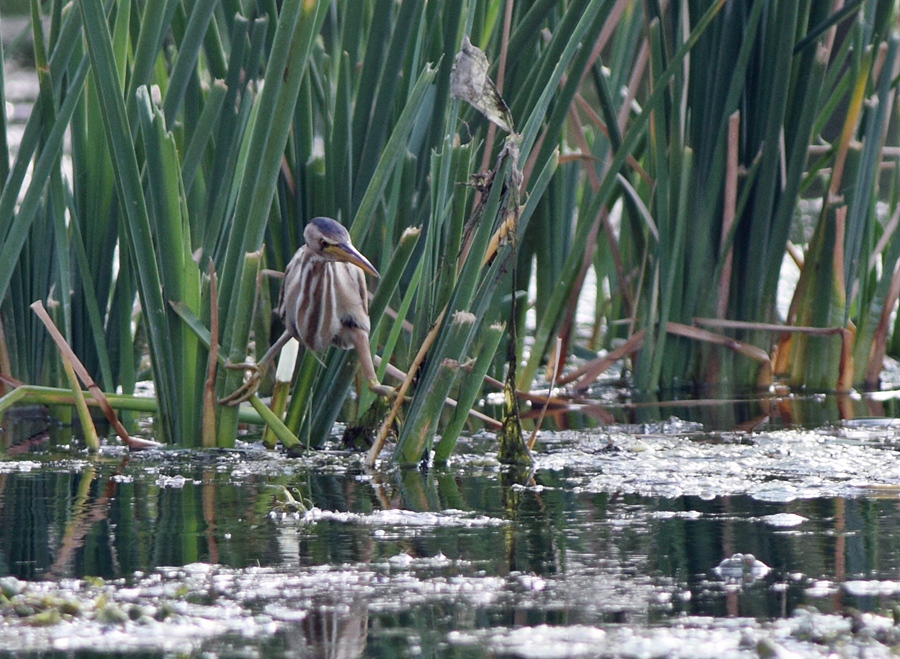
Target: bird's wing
{"type": "Point", "coordinates": [291, 279]}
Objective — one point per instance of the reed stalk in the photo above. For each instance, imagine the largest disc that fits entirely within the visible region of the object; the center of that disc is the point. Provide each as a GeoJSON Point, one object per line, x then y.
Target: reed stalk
{"type": "Point", "coordinates": [202, 136]}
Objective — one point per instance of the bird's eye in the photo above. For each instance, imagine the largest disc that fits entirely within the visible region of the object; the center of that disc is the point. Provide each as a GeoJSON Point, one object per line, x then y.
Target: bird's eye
{"type": "Point", "coordinates": [323, 244]}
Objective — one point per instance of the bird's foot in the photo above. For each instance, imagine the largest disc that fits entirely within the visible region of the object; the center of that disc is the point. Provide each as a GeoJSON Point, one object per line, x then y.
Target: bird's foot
{"type": "Point", "coordinates": [385, 391]}
{"type": "Point", "coordinates": [246, 390]}
{"type": "Point", "coordinates": [242, 394]}
{"type": "Point", "coordinates": [381, 389]}
{"type": "Point", "coordinates": [241, 366]}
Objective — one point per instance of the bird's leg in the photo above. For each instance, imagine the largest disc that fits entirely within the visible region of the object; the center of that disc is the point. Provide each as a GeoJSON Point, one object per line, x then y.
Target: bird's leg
{"type": "Point", "coordinates": [260, 368]}
{"type": "Point", "coordinates": [397, 374]}
{"type": "Point", "coordinates": [361, 343]}
{"type": "Point", "coordinates": [360, 340]}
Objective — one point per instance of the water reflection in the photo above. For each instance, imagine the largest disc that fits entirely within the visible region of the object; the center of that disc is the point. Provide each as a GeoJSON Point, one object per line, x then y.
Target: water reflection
{"type": "Point", "coordinates": [389, 562]}
{"type": "Point", "coordinates": [73, 519]}
{"type": "Point", "coordinates": [720, 410]}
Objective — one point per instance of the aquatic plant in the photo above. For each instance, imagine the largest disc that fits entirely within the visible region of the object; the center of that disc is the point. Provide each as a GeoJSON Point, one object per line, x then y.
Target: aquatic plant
{"type": "Point", "coordinates": [665, 147]}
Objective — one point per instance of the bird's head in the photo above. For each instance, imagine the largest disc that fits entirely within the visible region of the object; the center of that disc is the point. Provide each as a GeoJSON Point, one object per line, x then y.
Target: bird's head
{"type": "Point", "coordinates": [330, 240]}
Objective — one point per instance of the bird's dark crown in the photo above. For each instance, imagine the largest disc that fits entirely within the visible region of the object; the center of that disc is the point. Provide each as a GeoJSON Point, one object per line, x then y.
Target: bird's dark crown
{"type": "Point", "coordinates": [331, 230]}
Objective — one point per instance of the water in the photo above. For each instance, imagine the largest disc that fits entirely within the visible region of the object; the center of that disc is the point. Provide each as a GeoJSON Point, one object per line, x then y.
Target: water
{"type": "Point", "coordinates": [620, 543]}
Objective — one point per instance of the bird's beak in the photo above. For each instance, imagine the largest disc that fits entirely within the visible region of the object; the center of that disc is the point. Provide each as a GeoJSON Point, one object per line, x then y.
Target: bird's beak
{"type": "Point", "coordinates": [347, 252]}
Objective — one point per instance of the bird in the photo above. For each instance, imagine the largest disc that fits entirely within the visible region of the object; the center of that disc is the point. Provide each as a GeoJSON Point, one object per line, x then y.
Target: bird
{"type": "Point", "coordinates": [323, 302]}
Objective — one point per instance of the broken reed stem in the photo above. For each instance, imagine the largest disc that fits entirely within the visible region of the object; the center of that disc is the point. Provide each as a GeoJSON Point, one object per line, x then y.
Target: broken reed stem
{"type": "Point", "coordinates": [209, 387]}
{"type": "Point", "coordinates": [767, 327]}
{"type": "Point", "coordinates": [69, 355]}
{"type": "Point", "coordinates": [501, 74]}
{"type": "Point", "coordinates": [39, 395]}
{"type": "Point", "coordinates": [589, 372]}
{"type": "Point", "coordinates": [728, 213]}
{"type": "Point", "coordinates": [388, 422]}
{"type": "Point", "coordinates": [88, 429]}
{"type": "Point", "coordinates": [596, 367]}
{"type": "Point", "coordinates": [879, 340]}
{"type": "Point", "coordinates": [557, 365]}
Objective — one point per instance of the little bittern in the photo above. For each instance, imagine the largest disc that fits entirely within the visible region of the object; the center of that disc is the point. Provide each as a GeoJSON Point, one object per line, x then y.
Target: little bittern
{"type": "Point", "coordinates": [323, 302]}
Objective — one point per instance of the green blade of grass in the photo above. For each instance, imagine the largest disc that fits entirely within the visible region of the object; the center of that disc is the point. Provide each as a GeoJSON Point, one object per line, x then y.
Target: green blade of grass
{"type": "Point", "coordinates": [128, 183]}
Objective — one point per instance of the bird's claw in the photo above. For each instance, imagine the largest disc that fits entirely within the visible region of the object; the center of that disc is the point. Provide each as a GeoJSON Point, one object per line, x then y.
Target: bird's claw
{"type": "Point", "coordinates": [243, 393]}
{"type": "Point", "coordinates": [242, 366]}
{"type": "Point", "coordinates": [382, 389]}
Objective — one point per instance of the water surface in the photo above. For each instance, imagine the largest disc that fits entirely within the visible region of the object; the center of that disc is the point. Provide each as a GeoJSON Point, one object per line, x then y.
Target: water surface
{"type": "Point", "coordinates": [618, 544]}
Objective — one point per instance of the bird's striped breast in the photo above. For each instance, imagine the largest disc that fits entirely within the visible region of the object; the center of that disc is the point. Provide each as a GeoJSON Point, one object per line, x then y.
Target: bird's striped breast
{"type": "Point", "coordinates": [321, 299]}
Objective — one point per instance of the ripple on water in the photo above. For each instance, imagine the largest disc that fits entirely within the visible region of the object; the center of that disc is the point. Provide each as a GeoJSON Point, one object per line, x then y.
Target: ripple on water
{"type": "Point", "coordinates": [776, 467]}
{"type": "Point", "coordinates": [573, 567]}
